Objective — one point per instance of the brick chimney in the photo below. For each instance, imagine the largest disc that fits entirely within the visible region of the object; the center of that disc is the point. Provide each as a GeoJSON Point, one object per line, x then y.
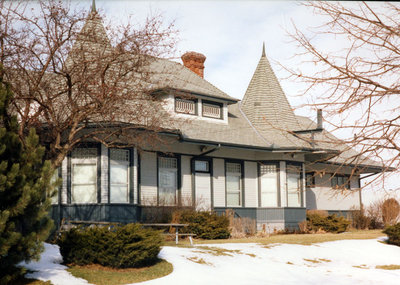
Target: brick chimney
{"type": "Point", "coordinates": [194, 61]}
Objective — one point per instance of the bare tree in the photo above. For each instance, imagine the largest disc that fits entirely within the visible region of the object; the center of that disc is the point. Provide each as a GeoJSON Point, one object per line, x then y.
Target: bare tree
{"type": "Point", "coordinates": [358, 74]}
{"type": "Point", "coordinates": [76, 81]}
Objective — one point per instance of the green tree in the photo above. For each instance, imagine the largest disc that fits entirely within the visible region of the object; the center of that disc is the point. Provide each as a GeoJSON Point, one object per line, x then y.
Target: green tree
{"type": "Point", "coordinates": [25, 185]}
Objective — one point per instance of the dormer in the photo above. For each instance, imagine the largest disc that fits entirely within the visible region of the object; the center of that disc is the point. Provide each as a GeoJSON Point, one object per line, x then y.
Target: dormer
{"type": "Point", "coordinates": [187, 94]}
{"type": "Point", "coordinates": [210, 109]}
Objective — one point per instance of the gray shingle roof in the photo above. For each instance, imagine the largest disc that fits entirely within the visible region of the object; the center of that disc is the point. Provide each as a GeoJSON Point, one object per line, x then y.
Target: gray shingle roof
{"type": "Point", "coordinates": [326, 140]}
{"type": "Point", "coordinates": [170, 74]}
{"type": "Point", "coordinates": [265, 103]}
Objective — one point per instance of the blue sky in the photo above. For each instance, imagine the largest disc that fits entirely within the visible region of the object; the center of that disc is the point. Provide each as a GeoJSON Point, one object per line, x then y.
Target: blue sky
{"type": "Point", "coordinates": [230, 34]}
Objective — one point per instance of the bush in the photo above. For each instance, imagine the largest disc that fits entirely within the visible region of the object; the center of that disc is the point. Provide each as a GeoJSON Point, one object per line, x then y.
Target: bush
{"type": "Point", "coordinates": [393, 233]}
{"type": "Point", "coordinates": [119, 247]}
{"type": "Point", "coordinates": [206, 225]}
{"type": "Point", "coordinates": [360, 221]}
{"type": "Point", "coordinates": [328, 223]}
{"type": "Point", "coordinates": [240, 227]}
{"type": "Point", "coordinates": [390, 211]}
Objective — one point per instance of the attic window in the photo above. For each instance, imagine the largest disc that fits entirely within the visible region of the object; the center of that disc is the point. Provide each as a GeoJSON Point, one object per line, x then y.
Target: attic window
{"type": "Point", "coordinates": [212, 110]}
{"type": "Point", "coordinates": [185, 106]}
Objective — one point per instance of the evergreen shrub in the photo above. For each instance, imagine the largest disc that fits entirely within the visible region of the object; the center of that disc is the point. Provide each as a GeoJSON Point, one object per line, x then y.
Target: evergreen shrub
{"type": "Point", "coordinates": [393, 233]}
{"type": "Point", "coordinates": [328, 223]}
{"type": "Point", "coordinates": [25, 188]}
{"type": "Point", "coordinates": [206, 225]}
{"type": "Point", "coordinates": [118, 247]}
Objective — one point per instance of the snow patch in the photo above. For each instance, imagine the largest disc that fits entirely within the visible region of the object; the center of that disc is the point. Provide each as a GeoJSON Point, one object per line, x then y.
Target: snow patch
{"type": "Point", "coordinates": [337, 262]}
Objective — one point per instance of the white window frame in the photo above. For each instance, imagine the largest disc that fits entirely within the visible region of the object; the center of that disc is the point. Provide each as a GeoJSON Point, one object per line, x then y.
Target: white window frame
{"type": "Point", "coordinates": [124, 162]}
{"type": "Point", "coordinates": [275, 203]}
{"type": "Point", "coordinates": [170, 170]}
{"type": "Point", "coordinates": [238, 191]}
{"type": "Point", "coordinates": [84, 161]}
{"type": "Point", "coordinates": [299, 190]}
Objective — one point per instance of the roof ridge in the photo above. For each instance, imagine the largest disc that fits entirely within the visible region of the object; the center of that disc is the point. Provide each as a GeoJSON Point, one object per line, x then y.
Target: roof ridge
{"type": "Point", "coordinates": [201, 78]}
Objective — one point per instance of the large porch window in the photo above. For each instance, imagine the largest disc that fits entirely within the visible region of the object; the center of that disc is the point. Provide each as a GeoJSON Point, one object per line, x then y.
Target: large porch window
{"type": "Point", "coordinates": [233, 184]}
{"type": "Point", "coordinates": [167, 180]}
{"type": "Point", "coordinates": [294, 185]}
{"type": "Point", "coordinates": [84, 175]}
{"type": "Point", "coordinates": [119, 175]}
{"type": "Point", "coordinates": [268, 185]}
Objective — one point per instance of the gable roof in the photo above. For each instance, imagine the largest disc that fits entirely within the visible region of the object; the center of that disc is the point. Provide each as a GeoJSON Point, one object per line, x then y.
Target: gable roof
{"type": "Point", "coordinates": [168, 74]}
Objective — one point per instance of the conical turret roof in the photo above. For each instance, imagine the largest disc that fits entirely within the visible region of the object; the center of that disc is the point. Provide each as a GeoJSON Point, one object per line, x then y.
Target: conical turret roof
{"type": "Point", "coordinates": [265, 104]}
{"type": "Point", "coordinates": [91, 42]}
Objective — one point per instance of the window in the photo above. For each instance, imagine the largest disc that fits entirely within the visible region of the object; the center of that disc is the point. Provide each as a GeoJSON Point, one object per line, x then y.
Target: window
{"type": "Point", "coordinates": [339, 181]}
{"type": "Point", "coordinates": [185, 106]}
{"type": "Point", "coordinates": [84, 175]}
{"type": "Point", "coordinates": [233, 184]}
{"type": "Point", "coordinates": [310, 179]}
{"type": "Point", "coordinates": [54, 198]}
{"type": "Point", "coordinates": [201, 166]}
{"type": "Point", "coordinates": [212, 110]}
{"type": "Point", "coordinates": [167, 180]}
{"type": "Point", "coordinates": [294, 185]}
{"type": "Point", "coordinates": [119, 175]}
{"type": "Point", "coordinates": [269, 185]}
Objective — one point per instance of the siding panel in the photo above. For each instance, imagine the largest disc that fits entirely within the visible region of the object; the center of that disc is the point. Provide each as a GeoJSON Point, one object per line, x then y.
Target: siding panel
{"type": "Point", "coordinates": [64, 177]}
{"type": "Point", "coordinates": [323, 197]}
{"type": "Point", "coordinates": [104, 174]}
{"type": "Point", "coordinates": [186, 194]}
{"type": "Point", "coordinates": [135, 175]}
{"type": "Point", "coordinates": [219, 182]}
{"type": "Point", "coordinates": [250, 184]}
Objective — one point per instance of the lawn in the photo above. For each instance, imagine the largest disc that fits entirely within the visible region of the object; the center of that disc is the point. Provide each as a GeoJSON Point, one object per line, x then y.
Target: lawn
{"type": "Point", "coordinates": [306, 257]}
{"type": "Point", "coordinates": [304, 239]}
{"type": "Point", "coordinates": [27, 281]}
{"type": "Point", "coordinates": [100, 275]}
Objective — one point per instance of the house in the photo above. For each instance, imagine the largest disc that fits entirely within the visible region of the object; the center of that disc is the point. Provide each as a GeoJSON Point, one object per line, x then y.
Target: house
{"type": "Point", "coordinates": [255, 156]}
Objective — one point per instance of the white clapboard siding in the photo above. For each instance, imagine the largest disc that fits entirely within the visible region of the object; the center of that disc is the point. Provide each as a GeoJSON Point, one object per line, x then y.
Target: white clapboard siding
{"type": "Point", "coordinates": [104, 174]}
{"type": "Point", "coordinates": [135, 175]}
{"type": "Point", "coordinates": [64, 177]}
{"type": "Point", "coordinates": [186, 194]}
{"type": "Point", "coordinates": [250, 184]}
{"type": "Point", "coordinates": [219, 182]}
{"type": "Point", "coordinates": [323, 197]}
{"type": "Point", "coordinates": [283, 183]}
{"type": "Point", "coordinates": [148, 187]}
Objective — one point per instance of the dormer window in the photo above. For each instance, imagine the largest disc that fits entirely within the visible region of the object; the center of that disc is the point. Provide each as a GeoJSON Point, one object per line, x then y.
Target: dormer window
{"type": "Point", "coordinates": [212, 110]}
{"type": "Point", "coordinates": [185, 106]}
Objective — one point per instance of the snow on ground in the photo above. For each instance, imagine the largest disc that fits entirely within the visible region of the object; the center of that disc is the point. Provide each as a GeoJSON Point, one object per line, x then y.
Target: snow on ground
{"type": "Point", "coordinates": [49, 268]}
{"type": "Point", "coordinates": [337, 262]}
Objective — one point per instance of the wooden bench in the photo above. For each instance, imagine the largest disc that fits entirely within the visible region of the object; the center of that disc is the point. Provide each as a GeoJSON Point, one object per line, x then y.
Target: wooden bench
{"type": "Point", "coordinates": [176, 234]}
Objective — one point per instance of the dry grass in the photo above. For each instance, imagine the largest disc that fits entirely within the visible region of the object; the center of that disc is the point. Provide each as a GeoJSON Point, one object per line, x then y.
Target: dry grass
{"type": "Point", "coordinates": [304, 239]}
{"type": "Point", "coordinates": [362, 266]}
{"type": "Point", "coordinates": [388, 267]}
{"type": "Point", "coordinates": [216, 251]}
{"type": "Point", "coordinates": [100, 275]}
{"type": "Point", "coordinates": [198, 260]}
{"type": "Point", "coordinates": [319, 260]}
